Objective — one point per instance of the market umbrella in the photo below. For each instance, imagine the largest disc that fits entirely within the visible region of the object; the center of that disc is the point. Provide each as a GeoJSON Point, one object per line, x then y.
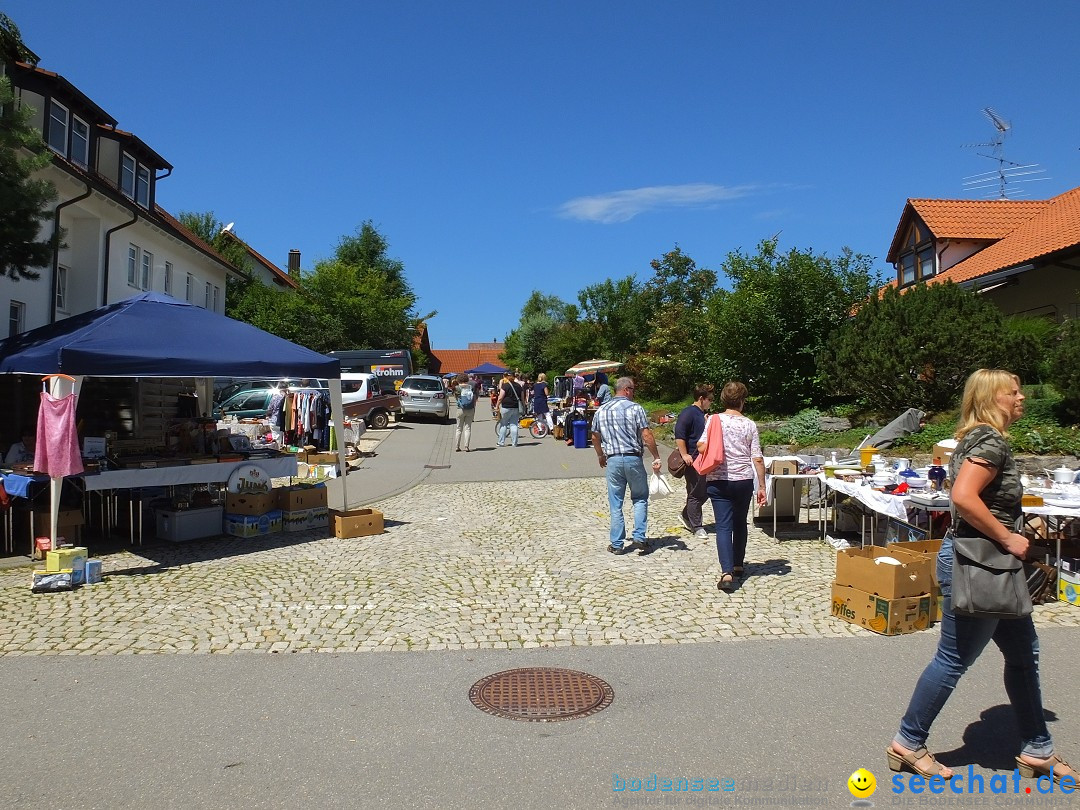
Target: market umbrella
{"type": "Point", "coordinates": [592, 366]}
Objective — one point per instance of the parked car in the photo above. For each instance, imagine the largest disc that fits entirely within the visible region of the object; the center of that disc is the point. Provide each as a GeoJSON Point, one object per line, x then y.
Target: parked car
{"type": "Point", "coordinates": [424, 394]}
{"type": "Point", "coordinates": [250, 403]}
{"type": "Point", "coordinates": [362, 397]}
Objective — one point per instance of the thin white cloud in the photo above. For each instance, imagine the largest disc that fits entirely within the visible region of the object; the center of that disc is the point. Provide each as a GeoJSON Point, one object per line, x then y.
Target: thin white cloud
{"type": "Point", "coordinates": [622, 206]}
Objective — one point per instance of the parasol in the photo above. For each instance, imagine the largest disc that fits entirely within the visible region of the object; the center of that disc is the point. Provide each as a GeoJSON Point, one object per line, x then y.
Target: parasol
{"type": "Point", "coordinates": [592, 366]}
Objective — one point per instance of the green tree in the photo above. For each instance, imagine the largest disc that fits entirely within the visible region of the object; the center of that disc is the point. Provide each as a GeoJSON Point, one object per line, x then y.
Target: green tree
{"type": "Point", "coordinates": [1030, 341]}
{"type": "Point", "coordinates": [367, 248]}
{"type": "Point", "coordinates": [12, 47]}
{"type": "Point", "coordinates": [24, 199]}
{"type": "Point", "coordinates": [915, 349]}
{"type": "Point", "coordinates": [772, 325]}
{"type": "Point", "coordinates": [621, 312]}
{"type": "Point", "coordinates": [1065, 374]}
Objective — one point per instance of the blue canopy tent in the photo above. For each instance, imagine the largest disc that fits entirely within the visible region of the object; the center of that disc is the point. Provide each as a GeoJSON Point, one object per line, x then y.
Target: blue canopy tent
{"type": "Point", "coordinates": [155, 335]}
{"type": "Point", "coordinates": [486, 368]}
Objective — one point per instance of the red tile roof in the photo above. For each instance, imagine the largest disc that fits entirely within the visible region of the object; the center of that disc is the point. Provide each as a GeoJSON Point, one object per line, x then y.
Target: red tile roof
{"type": "Point", "coordinates": [455, 360]}
{"type": "Point", "coordinates": [1017, 231]}
{"type": "Point", "coordinates": [1053, 227]}
{"type": "Point", "coordinates": [280, 275]}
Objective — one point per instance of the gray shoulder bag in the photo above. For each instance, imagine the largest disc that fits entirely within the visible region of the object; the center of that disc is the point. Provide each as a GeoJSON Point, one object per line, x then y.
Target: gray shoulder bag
{"type": "Point", "coordinates": [988, 581]}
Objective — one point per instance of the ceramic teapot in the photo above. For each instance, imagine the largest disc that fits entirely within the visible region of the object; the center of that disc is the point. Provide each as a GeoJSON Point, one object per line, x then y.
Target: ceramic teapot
{"type": "Point", "coordinates": [1063, 475]}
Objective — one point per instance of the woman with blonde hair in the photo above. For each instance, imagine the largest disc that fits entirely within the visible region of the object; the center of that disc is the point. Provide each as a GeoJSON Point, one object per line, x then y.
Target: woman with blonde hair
{"type": "Point", "coordinates": [986, 494]}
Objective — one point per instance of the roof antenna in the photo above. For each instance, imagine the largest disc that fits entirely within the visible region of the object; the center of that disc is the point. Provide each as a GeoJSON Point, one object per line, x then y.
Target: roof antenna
{"type": "Point", "coordinates": [1008, 173]}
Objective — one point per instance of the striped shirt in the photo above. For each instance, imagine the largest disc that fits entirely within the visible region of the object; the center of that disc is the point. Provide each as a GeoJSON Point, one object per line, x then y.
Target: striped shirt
{"type": "Point", "coordinates": [619, 423]}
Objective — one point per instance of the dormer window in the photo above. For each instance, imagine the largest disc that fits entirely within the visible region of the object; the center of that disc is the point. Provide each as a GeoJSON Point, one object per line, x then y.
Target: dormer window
{"type": "Point", "coordinates": [142, 186]}
{"type": "Point", "coordinates": [127, 176]}
{"type": "Point", "coordinates": [916, 262]}
{"type": "Point", "coordinates": [58, 128]}
{"type": "Point", "coordinates": [80, 142]}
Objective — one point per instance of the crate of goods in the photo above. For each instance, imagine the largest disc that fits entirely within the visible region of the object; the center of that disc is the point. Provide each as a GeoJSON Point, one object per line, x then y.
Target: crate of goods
{"type": "Point", "coordinates": [357, 523]}
{"type": "Point", "coordinates": [1069, 587]}
{"type": "Point", "coordinates": [300, 498]}
{"type": "Point", "coordinates": [878, 571]}
{"type": "Point", "coordinates": [253, 525]}
{"type": "Point", "coordinates": [303, 519]}
{"type": "Point", "coordinates": [889, 617]}
{"type": "Point", "coordinates": [68, 559]}
{"type": "Point", "coordinates": [188, 524]}
{"type": "Point", "coordinates": [249, 503]}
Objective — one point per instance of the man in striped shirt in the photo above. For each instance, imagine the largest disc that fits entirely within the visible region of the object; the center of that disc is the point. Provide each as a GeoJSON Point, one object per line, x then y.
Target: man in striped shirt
{"type": "Point", "coordinates": [620, 432]}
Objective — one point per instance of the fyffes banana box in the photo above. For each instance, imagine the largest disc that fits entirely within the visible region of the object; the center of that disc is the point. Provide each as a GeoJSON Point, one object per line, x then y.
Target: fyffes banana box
{"type": "Point", "coordinates": [889, 617]}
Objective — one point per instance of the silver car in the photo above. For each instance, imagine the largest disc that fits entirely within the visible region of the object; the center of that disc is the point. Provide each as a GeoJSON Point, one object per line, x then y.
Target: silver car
{"type": "Point", "coordinates": [423, 394]}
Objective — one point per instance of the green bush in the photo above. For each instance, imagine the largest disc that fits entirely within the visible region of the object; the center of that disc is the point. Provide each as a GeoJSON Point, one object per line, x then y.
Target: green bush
{"type": "Point", "coordinates": [1065, 374]}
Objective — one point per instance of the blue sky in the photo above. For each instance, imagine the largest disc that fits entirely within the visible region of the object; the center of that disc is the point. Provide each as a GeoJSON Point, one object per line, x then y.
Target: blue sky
{"type": "Point", "coordinates": [503, 147]}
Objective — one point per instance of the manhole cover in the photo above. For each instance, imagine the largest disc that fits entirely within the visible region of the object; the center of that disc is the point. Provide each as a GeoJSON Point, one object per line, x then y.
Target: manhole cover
{"type": "Point", "coordinates": [541, 694]}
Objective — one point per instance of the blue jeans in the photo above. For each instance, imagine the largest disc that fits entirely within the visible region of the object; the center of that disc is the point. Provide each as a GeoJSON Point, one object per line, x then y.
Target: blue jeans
{"type": "Point", "coordinates": [508, 424]}
{"type": "Point", "coordinates": [962, 640]}
{"type": "Point", "coordinates": [730, 503]}
{"type": "Point", "coordinates": [621, 472]}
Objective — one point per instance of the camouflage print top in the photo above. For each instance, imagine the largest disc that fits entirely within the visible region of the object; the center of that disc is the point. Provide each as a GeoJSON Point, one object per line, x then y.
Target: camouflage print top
{"type": "Point", "coordinates": [1002, 495]}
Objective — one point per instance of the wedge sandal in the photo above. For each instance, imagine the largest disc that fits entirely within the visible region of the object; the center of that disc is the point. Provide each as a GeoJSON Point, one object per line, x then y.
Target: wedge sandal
{"type": "Point", "coordinates": [898, 762]}
{"type": "Point", "coordinates": [1029, 771]}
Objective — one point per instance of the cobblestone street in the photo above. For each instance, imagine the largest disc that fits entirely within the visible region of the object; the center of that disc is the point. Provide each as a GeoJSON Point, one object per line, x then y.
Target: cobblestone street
{"type": "Point", "coordinates": [461, 566]}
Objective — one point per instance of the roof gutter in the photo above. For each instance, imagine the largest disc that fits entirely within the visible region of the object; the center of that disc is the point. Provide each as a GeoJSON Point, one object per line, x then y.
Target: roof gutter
{"type": "Point", "coordinates": [993, 278]}
{"type": "Point", "coordinates": [56, 246]}
{"type": "Point", "coordinates": [108, 245]}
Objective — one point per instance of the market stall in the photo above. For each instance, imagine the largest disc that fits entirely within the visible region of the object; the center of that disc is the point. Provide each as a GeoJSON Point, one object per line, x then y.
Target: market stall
{"type": "Point", "coordinates": [155, 335]}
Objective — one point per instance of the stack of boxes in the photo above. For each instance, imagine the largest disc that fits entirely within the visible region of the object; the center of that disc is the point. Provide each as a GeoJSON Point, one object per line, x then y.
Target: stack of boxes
{"type": "Point", "coordinates": [66, 568]}
{"type": "Point", "coordinates": [250, 514]}
{"type": "Point", "coordinates": [883, 597]}
{"type": "Point", "coordinates": [302, 507]}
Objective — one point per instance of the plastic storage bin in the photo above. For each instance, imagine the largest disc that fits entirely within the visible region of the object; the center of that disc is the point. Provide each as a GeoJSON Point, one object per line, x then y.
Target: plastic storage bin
{"type": "Point", "coordinates": [189, 524]}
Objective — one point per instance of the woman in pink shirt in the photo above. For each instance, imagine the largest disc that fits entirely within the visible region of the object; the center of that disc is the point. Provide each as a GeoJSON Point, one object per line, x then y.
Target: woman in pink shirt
{"type": "Point", "coordinates": [731, 485]}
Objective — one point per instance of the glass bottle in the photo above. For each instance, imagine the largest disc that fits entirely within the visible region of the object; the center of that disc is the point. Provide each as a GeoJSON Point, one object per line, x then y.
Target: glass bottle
{"type": "Point", "coordinates": [936, 475]}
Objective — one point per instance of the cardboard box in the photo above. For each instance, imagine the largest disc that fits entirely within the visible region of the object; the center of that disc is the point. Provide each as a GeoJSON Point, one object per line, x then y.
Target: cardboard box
{"type": "Point", "coordinates": [253, 525]}
{"type": "Point", "coordinates": [889, 617]}
{"type": "Point", "coordinates": [188, 524]}
{"type": "Point", "coordinates": [927, 549]}
{"type": "Point", "coordinates": [301, 498]}
{"type": "Point", "coordinates": [784, 467]}
{"type": "Point", "coordinates": [73, 559]}
{"type": "Point", "coordinates": [943, 450]}
{"type": "Point", "coordinates": [856, 568]}
{"type": "Point", "coordinates": [65, 518]}
{"type": "Point", "coordinates": [1069, 587]}
{"type": "Point", "coordinates": [303, 519]}
{"type": "Point", "coordinates": [357, 523]}
{"type": "Point", "coordinates": [93, 572]}
{"type": "Point", "coordinates": [322, 458]}
{"type": "Point", "coordinates": [249, 503]}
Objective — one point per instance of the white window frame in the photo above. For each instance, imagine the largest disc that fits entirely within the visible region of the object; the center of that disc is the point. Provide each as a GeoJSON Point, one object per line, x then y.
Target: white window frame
{"type": "Point", "coordinates": [16, 318]}
{"type": "Point", "coordinates": [146, 275]}
{"type": "Point", "coordinates": [80, 157]}
{"type": "Point", "coordinates": [128, 168]}
{"type": "Point", "coordinates": [59, 129]}
{"type": "Point", "coordinates": [207, 295]}
{"type": "Point", "coordinates": [189, 291]}
{"type": "Point", "coordinates": [142, 185]}
{"type": "Point", "coordinates": [217, 294]}
{"type": "Point", "coordinates": [168, 278]}
{"type": "Point", "coordinates": [61, 288]}
{"type": "Point", "coordinates": [133, 265]}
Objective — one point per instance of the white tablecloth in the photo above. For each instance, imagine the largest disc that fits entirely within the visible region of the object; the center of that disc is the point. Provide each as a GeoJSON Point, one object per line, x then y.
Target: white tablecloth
{"type": "Point", "coordinates": [280, 467]}
{"type": "Point", "coordinates": [891, 505]}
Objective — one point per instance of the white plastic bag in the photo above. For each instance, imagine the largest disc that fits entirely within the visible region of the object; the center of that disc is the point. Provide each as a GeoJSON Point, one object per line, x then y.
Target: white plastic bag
{"type": "Point", "coordinates": [658, 487]}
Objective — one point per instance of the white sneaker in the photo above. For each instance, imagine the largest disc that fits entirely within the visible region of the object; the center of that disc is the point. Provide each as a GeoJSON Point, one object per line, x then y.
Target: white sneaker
{"type": "Point", "coordinates": [701, 534]}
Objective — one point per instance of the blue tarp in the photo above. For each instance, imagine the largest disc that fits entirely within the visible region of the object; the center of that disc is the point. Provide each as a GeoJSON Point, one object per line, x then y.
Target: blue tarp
{"type": "Point", "coordinates": [155, 335]}
{"type": "Point", "coordinates": [486, 368]}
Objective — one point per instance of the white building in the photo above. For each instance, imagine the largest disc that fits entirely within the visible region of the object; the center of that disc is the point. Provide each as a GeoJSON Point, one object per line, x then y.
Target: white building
{"type": "Point", "coordinates": [117, 241]}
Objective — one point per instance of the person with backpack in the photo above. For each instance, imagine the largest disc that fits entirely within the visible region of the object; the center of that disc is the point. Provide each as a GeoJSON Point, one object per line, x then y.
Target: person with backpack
{"type": "Point", "coordinates": [466, 405]}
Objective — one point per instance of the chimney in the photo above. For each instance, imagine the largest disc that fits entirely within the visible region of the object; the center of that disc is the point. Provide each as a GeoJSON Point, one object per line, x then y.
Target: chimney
{"type": "Point", "coordinates": [294, 264]}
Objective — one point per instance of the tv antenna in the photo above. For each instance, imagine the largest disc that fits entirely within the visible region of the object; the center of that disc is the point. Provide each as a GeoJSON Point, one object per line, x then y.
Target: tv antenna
{"type": "Point", "coordinates": [1009, 175]}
